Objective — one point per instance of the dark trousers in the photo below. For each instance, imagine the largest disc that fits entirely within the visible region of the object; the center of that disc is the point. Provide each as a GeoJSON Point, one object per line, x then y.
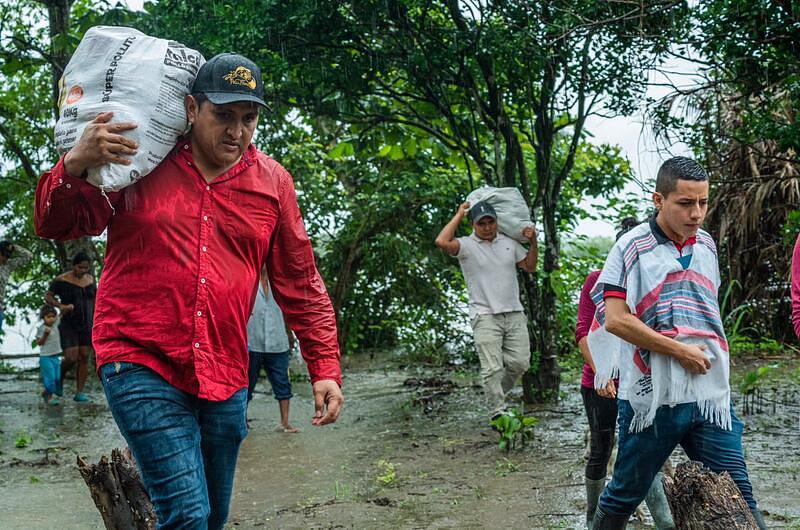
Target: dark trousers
{"type": "Point", "coordinates": [602, 415]}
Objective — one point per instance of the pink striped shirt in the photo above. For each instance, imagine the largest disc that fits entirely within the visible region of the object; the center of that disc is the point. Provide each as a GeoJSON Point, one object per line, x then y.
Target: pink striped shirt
{"type": "Point", "coordinates": [586, 310]}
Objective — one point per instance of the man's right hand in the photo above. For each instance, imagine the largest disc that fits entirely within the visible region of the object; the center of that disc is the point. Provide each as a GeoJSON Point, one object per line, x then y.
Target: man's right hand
{"type": "Point", "coordinates": [66, 308]}
{"type": "Point", "coordinates": [609, 392]}
{"type": "Point", "coordinates": [694, 360]}
{"type": "Point", "coordinates": [101, 143]}
{"type": "Point", "coordinates": [463, 210]}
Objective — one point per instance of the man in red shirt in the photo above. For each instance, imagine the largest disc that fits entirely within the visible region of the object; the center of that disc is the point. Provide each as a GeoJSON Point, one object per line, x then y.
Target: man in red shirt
{"type": "Point", "coordinates": [186, 246]}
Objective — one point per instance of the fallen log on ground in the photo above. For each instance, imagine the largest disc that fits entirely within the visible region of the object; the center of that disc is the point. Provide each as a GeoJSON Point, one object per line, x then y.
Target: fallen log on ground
{"type": "Point", "coordinates": [703, 500]}
{"type": "Point", "coordinates": [118, 492]}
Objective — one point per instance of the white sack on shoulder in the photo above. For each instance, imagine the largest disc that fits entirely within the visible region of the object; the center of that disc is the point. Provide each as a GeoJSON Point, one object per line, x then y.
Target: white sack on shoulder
{"type": "Point", "coordinates": [140, 79]}
{"type": "Point", "coordinates": [513, 214]}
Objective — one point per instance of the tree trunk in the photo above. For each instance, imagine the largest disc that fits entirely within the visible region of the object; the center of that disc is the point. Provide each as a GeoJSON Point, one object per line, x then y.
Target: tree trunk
{"type": "Point", "coordinates": [529, 380]}
{"type": "Point", "coordinates": [118, 492]}
{"type": "Point", "coordinates": [344, 281]}
{"type": "Point", "coordinates": [702, 500]}
{"type": "Point", "coordinates": [548, 376]}
{"type": "Point", "coordinates": [58, 12]}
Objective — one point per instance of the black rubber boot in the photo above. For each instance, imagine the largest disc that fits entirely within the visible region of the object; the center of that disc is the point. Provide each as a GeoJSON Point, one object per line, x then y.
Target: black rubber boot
{"type": "Point", "coordinates": [657, 503]}
{"type": "Point", "coordinates": [593, 490]}
{"type": "Point", "coordinates": [604, 521]}
{"type": "Point", "coordinates": [759, 517]}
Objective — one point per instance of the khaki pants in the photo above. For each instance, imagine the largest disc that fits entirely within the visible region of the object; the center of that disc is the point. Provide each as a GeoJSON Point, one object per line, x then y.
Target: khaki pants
{"type": "Point", "coordinates": [504, 350]}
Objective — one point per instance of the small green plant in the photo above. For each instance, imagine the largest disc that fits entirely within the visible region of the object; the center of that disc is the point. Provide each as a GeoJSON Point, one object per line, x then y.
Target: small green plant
{"type": "Point", "coordinates": [450, 446]}
{"type": "Point", "coordinates": [733, 319]}
{"type": "Point", "coordinates": [340, 490]}
{"type": "Point", "coordinates": [23, 440]}
{"type": "Point", "coordinates": [6, 368]}
{"type": "Point", "coordinates": [505, 467]}
{"type": "Point", "coordinates": [34, 479]}
{"type": "Point", "coordinates": [514, 427]}
{"type": "Point", "coordinates": [754, 379]}
{"type": "Point", "coordinates": [387, 473]}
{"type": "Point", "coordinates": [298, 377]}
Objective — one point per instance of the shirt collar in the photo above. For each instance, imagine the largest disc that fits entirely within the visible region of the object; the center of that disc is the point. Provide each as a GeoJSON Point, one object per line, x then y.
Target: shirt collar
{"type": "Point", "coordinates": [475, 237]}
{"type": "Point", "coordinates": [662, 238]}
{"type": "Point", "coordinates": [183, 149]}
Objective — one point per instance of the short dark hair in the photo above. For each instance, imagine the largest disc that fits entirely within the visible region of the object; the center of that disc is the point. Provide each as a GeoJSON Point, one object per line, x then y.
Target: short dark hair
{"type": "Point", "coordinates": [199, 98]}
{"type": "Point", "coordinates": [80, 257]}
{"type": "Point", "coordinates": [47, 310]}
{"type": "Point", "coordinates": [626, 225]}
{"type": "Point", "coordinates": [675, 169]}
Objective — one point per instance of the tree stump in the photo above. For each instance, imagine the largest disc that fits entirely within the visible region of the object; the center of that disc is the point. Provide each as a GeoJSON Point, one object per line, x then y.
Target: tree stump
{"type": "Point", "coordinates": [703, 500]}
{"type": "Point", "coordinates": [118, 492]}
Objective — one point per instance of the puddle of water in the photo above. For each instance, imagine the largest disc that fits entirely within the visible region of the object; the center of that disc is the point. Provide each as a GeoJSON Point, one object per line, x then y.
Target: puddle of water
{"type": "Point", "coordinates": [386, 464]}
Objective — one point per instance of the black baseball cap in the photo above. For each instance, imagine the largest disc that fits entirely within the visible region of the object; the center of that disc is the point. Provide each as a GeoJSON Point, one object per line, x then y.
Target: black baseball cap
{"type": "Point", "coordinates": [480, 210]}
{"type": "Point", "coordinates": [230, 78]}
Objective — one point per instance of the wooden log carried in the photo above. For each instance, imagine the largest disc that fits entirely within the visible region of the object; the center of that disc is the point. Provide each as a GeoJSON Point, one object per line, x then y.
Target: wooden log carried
{"type": "Point", "coordinates": [118, 492]}
{"type": "Point", "coordinates": [703, 500]}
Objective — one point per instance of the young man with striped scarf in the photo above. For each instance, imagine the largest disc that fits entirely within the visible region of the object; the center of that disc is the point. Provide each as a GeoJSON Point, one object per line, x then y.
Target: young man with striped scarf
{"type": "Point", "coordinates": [658, 328]}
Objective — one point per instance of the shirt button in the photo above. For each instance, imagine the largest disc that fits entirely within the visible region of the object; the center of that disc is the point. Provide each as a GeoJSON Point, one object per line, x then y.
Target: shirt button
{"type": "Point", "coordinates": [204, 249]}
{"type": "Point", "coordinates": [202, 280]}
{"type": "Point", "coordinates": [186, 146]}
{"type": "Point", "coordinates": [199, 313]}
{"type": "Point", "coordinates": [196, 344]}
{"type": "Point", "coordinates": [208, 188]}
{"type": "Point", "coordinates": [205, 218]}
{"type": "Point", "coordinates": [188, 164]}
{"type": "Point", "coordinates": [60, 181]}
{"type": "Point", "coordinates": [69, 186]}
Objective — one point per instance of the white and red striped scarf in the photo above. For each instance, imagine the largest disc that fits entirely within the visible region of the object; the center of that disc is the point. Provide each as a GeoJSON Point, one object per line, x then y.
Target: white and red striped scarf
{"type": "Point", "coordinates": [676, 302]}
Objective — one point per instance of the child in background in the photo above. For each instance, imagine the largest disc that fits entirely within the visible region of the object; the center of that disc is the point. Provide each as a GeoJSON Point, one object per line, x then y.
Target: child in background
{"type": "Point", "coordinates": [49, 362]}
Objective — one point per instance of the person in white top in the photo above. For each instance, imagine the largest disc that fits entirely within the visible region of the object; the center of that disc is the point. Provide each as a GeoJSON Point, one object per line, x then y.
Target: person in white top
{"type": "Point", "coordinates": [48, 338]}
{"type": "Point", "coordinates": [270, 342]}
{"type": "Point", "coordinates": [489, 261]}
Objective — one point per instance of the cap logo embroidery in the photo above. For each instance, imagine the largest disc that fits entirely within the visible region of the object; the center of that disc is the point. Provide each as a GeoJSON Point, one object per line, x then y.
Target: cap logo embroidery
{"type": "Point", "coordinates": [241, 76]}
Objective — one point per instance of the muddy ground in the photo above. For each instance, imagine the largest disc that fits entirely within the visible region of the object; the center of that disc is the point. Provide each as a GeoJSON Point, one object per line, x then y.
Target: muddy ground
{"type": "Point", "coordinates": [402, 456]}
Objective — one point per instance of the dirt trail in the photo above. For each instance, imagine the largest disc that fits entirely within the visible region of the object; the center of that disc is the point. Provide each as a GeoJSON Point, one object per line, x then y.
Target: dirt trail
{"type": "Point", "coordinates": [395, 460]}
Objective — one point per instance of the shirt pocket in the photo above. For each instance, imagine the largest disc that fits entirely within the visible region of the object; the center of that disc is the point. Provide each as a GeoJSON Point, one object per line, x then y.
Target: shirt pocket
{"type": "Point", "coordinates": [249, 216]}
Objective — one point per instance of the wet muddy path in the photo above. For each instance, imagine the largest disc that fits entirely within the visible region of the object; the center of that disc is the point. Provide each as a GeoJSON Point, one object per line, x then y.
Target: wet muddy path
{"type": "Point", "coordinates": [405, 454]}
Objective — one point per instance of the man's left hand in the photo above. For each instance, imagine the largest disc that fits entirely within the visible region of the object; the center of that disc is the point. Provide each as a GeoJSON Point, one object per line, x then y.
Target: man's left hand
{"type": "Point", "coordinates": [529, 233]}
{"type": "Point", "coordinates": [328, 402]}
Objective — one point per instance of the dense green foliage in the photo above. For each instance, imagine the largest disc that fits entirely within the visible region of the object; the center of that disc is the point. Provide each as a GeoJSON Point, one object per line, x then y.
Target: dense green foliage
{"type": "Point", "coordinates": [388, 112]}
{"type": "Point", "coordinates": [740, 119]}
{"type": "Point", "coordinates": [463, 93]}
{"type": "Point", "coordinates": [28, 57]}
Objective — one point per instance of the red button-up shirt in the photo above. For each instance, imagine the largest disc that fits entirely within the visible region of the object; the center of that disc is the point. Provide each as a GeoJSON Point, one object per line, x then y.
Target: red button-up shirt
{"type": "Point", "coordinates": [182, 264]}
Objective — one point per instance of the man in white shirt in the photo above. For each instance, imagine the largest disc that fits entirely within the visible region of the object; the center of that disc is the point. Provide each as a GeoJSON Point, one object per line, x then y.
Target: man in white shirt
{"type": "Point", "coordinates": [489, 261]}
{"type": "Point", "coordinates": [270, 342]}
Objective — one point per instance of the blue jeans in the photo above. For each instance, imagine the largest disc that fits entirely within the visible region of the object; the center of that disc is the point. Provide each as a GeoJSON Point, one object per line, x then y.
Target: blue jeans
{"type": "Point", "coordinates": [277, 367]}
{"type": "Point", "coordinates": [640, 455]}
{"type": "Point", "coordinates": [186, 447]}
{"type": "Point", "coordinates": [50, 368]}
